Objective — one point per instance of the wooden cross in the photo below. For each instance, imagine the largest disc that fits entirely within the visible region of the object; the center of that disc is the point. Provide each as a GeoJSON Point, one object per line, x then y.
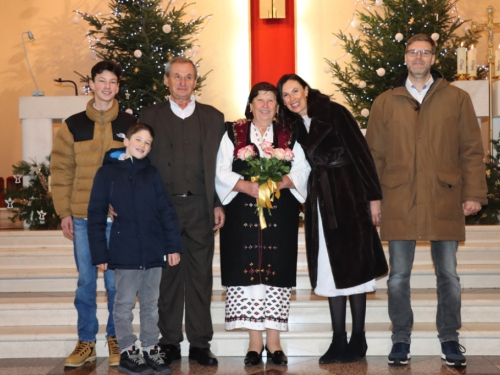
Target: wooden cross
{"type": "Point", "coordinates": [490, 27]}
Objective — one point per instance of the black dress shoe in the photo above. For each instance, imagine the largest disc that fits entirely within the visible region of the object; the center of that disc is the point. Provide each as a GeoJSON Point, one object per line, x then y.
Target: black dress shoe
{"type": "Point", "coordinates": [171, 353]}
{"type": "Point", "coordinates": [278, 357]}
{"type": "Point", "coordinates": [253, 358]}
{"type": "Point", "coordinates": [203, 355]}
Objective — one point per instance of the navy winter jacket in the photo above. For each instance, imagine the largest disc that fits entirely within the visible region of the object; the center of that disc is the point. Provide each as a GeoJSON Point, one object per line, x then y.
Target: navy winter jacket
{"type": "Point", "coordinates": [146, 228]}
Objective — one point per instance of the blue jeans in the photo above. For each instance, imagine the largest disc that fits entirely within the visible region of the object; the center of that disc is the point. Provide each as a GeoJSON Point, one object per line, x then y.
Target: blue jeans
{"type": "Point", "coordinates": [85, 296]}
{"type": "Point", "coordinates": [448, 318]}
{"type": "Point", "coordinates": [146, 285]}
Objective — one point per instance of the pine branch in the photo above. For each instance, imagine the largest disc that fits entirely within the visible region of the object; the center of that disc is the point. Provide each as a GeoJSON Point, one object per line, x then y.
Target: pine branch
{"type": "Point", "coordinates": [138, 25]}
{"type": "Point", "coordinates": [377, 47]}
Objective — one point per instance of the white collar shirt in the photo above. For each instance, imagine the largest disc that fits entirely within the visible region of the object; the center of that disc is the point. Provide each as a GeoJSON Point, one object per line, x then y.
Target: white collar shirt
{"type": "Point", "coordinates": [418, 95]}
{"type": "Point", "coordinates": [183, 113]}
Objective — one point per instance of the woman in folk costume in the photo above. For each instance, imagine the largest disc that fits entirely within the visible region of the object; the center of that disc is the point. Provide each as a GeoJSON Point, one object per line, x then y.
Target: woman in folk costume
{"type": "Point", "coordinates": [258, 266]}
{"type": "Point", "coordinates": [344, 252]}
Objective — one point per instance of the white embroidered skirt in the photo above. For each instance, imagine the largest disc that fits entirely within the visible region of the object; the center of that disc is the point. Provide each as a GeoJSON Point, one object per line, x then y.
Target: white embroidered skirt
{"type": "Point", "coordinates": [257, 307]}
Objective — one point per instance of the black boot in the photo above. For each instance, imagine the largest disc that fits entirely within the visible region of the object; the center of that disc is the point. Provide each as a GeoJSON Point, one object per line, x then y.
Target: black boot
{"type": "Point", "coordinates": [357, 346]}
{"type": "Point", "coordinates": [337, 352]}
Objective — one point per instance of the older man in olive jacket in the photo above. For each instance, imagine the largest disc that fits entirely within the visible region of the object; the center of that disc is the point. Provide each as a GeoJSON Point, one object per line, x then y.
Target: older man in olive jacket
{"type": "Point", "coordinates": [426, 144]}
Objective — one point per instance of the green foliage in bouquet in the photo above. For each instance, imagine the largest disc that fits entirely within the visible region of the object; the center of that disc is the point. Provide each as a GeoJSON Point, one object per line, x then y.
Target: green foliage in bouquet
{"type": "Point", "coordinates": [273, 169]}
{"type": "Point", "coordinates": [33, 203]}
{"type": "Point", "coordinates": [272, 165]}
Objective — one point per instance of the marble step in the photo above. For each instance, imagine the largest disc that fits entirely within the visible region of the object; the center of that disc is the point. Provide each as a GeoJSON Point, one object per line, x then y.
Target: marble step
{"type": "Point", "coordinates": [54, 238]}
{"type": "Point", "coordinates": [64, 279]}
{"type": "Point", "coordinates": [52, 253]}
{"type": "Point", "coordinates": [476, 233]}
{"type": "Point", "coordinates": [300, 340]}
{"type": "Point", "coordinates": [54, 309]}
{"type": "Point", "coordinates": [62, 257]}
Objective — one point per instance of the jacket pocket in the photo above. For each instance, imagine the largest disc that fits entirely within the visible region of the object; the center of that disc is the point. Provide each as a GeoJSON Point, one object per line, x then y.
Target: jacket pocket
{"type": "Point", "coordinates": [396, 194]}
{"type": "Point", "coordinates": [447, 195]}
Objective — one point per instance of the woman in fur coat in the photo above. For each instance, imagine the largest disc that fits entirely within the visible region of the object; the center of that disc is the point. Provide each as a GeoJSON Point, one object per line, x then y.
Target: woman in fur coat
{"type": "Point", "coordinates": [344, 252]}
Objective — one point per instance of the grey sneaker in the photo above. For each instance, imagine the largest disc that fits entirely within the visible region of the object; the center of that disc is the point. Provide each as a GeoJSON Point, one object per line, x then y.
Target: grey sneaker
{"type": "Point", "coordinates": [400, 354]}
{"type": "Point", "coordinates": [451, 352]}
{"type": "Point", "coordinates": [156, 360]}
{"type": "Point", "coordinates": [132, 363]}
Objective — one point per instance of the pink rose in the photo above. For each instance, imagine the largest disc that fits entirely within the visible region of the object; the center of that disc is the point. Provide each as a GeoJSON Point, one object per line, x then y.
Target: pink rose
{"type": "Point", "coordinates": [279, 153]}
{"type": "Point", "coordinates": [289, 155]}
{"type": "Point", "coordinates": [268, 151]}
{"type": "Point", "coordinates": [265, 145]}
{"type": "Point", "coordinates": [245, 153]}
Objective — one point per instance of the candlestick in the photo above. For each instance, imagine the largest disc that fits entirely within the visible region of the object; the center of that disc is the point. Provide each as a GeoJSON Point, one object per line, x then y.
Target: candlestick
{"type": "Point", "coordinates": [471, 62]}
{"type": "Point", "coordinates": [497, 62]}
{"type": "Point", "coordinates": [461, 65]}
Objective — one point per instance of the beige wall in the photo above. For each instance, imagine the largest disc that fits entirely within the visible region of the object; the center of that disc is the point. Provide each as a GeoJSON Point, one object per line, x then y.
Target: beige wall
{"type": "Point", "coordinates": [317, 20]}
{"type": "Point", "coordinates": [61, 48]}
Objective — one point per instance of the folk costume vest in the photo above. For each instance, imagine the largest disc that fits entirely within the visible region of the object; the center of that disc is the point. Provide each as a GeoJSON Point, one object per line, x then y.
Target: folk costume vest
{"type": "Point", "coordinates": [250, 255]}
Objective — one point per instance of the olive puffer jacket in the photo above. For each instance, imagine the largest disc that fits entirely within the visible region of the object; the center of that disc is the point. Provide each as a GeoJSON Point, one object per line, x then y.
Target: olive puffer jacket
{"type": "Point", "coordinates": [78, 152]}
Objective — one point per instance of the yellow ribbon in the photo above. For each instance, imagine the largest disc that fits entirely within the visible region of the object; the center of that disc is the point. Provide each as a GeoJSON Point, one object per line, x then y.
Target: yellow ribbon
{"type": "Point", "coordinates": [267, 192]}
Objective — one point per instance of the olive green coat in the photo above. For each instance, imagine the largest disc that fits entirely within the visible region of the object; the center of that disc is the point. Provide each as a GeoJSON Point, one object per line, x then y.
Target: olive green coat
{"type": "Point", "coordinates": [429, 160]}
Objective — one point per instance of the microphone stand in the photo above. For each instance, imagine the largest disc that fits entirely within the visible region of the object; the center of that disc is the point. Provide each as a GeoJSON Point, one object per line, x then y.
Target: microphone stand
{"type": "Point", "coordinates": [37, 92]}
{"type": "Point", "coordinates": [60, 80]}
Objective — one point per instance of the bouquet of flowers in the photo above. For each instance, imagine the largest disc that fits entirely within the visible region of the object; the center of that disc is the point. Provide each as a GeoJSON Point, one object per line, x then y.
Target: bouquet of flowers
{"type": "Point", "coordinates": [267, 171]}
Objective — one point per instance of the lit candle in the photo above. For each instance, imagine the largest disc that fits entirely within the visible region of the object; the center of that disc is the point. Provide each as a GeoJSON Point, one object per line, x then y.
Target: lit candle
{"type": "Point", "coordinates": [471, 61]}
{"type": "Point", "coordinates": [497, 61]}
{"type": "Point", "coordinates": [461, 65]}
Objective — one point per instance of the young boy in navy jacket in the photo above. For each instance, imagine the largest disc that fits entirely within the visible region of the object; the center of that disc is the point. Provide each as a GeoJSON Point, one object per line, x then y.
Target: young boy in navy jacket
{"type": "Point", "coordinates": [144, 236]}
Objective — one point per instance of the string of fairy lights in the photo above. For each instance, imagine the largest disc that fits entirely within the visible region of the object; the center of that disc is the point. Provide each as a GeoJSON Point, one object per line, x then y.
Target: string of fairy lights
{"type": "Point", "coordinates": [97, 43]}
{"type": "Point", "coordinates": [356, 30]}
{"type": "Point", "coordinates": [354, 24]}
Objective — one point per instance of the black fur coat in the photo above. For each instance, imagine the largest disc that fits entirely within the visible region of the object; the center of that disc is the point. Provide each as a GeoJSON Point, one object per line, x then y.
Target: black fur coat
{"type": "Point", "coordinates": [342, 183]}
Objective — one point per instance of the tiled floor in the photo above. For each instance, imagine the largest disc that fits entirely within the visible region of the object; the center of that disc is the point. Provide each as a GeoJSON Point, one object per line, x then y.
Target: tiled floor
{"type": "Point", "coordinates": [234, 365]}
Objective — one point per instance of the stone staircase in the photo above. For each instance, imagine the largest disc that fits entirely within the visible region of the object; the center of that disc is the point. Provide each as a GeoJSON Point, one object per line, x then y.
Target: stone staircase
{"type": "Point", "coordinates": [38, 279]}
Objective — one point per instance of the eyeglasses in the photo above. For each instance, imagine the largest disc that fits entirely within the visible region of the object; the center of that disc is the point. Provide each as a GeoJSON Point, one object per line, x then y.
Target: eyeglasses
{"type": "Point", "coordinates": [415, 52]}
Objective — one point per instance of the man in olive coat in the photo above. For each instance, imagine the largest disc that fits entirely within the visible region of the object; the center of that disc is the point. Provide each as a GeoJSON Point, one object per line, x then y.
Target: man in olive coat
{"type": "Point", "coordinates": [426, 144]}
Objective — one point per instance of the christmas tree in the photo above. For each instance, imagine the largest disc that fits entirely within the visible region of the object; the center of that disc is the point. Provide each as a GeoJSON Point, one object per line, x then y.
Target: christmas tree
{"type": "Point", "coordinates": [489, 214]}
{"type": "Point", "coordinates": [377, 56]}
{"type": "Point", "coordinates": [33, 203]}
{"type": "Point", "coordinates": [143, 37]}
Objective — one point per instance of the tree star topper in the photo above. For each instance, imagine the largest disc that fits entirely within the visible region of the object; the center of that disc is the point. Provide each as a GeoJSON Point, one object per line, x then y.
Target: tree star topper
{"type": "Point", "coordinates": [34, 169]}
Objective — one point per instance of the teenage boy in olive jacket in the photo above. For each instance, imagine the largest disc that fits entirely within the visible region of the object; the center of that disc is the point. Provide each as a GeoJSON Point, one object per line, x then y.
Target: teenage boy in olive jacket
{"type": "Point", "coordinates": [79, 148]}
